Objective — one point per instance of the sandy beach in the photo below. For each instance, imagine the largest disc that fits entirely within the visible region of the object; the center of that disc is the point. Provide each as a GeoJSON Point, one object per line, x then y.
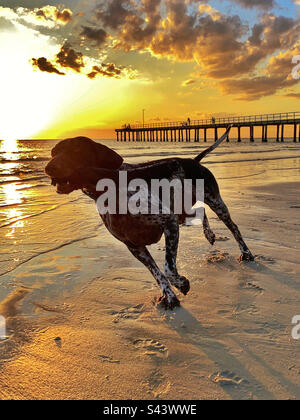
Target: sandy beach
{"type": "Point", "coordinates": [82, 322]}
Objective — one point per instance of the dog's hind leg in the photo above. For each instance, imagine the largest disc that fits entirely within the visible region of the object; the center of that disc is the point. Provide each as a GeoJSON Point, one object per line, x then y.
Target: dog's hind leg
{"type": "Point", "coordinates": [171, 232]}
{"type": "Point", "coordinates": [168, 299]}
{"type": "Point", "coordinates": [219, 207]}
{"type": "Point", "coordinates": [209, 234]}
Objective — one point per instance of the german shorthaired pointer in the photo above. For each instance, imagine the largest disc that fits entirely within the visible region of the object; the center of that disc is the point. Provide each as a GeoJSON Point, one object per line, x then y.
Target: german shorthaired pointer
{"type": "Point", "coordinates": [79, 163]}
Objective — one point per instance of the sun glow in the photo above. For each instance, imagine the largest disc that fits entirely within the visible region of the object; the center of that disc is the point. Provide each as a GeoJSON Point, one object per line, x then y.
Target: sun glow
{"type": "Point", "coordinates": [28, 98]}
{"type": "Point", "coordinates": [9, 149]}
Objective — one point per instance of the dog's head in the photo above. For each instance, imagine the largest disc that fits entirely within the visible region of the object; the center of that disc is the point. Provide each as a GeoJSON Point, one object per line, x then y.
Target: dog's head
{"type": "Point", "coordinates": [71, 156]}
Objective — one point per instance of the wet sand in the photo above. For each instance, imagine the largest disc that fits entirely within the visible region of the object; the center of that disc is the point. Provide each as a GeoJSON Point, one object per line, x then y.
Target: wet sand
{"type": "Point", "coordinates": [93, 331]}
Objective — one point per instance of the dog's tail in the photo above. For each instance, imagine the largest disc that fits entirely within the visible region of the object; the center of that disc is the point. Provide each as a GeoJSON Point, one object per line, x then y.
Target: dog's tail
{"type": "Point", "coordinates": [213, 147]}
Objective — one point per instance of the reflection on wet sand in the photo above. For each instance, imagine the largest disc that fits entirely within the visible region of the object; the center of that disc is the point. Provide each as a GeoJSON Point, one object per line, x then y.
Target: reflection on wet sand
{"type": "Point", "coordinates": [9, 306]}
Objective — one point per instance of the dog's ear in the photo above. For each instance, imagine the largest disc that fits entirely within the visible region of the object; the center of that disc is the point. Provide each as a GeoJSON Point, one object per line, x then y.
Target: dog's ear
{"type": "Point", "coordinates": [107, 158]}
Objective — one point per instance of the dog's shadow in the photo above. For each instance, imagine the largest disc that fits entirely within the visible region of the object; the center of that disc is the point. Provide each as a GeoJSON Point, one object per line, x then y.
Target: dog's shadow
{"type": "Point", "coordinates": [287, 279]}
{"type": "Point", "coordinates": [196, 334]}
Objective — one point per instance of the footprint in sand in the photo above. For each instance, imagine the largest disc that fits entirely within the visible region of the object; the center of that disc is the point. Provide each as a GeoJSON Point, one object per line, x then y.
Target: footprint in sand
{"type": "Point", "coordinates": [152, 347]}
{"type": "Point", "coordinates": [269, 260]}
{"type": "Point", "coordinates": [227, 378]}
{"type": "Point", "coordinates": [131, 312]}
{"type": "Point", "coordinates": [217, 257]}
{"type": "Point", "coordinates": [107, 359]}
{"type": "Point", "coordinates": [252, 287]}
{"type": "Point", "coordinates": [242, 308]}
{"type": "Point", "coordinates": [222, 238]}
{"type": "Point", "coordinates": [157, 384]}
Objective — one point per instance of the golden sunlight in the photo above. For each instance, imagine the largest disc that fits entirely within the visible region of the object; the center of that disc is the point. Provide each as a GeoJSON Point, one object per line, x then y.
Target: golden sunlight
{"type": "Point", "coordinates": [9, 147]}
{"type": "Point", "coordinates": [28, 101]}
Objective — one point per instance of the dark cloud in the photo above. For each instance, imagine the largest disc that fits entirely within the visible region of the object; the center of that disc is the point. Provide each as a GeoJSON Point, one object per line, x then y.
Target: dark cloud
{"type": "Point", "coordinates": [113, 13]}
{"type": "Point", "coordinates": [52, 13]}
{"type": "Point", "coordinates": [257, 34]}
{"type": "Point", "coordinates": [44, 65]}
{"type": "Point", "coordinates": [216, 42]}
{"type": "Point", "coordinates": [31, 4]}
{"type": "Point", "coordinates": [277, 76]}
{"type": "Point", "coordinates": [107, 70]}
{"type": "Point", "coordinates": [137, 22]}
{"type": "Point", "coordinates": [67, 57]}
{"type": "Point", "coordinates": [250, 89]}
{"type": "Point", "coordinates": [260, 4]}
{"type": "Point", "coordinates": [64, 15]}
{"type": "Point", "coordinates": [223, 46]}
{"type": "Point", "coordinates": [99, 36]}
{"type": "Point", "coordinates": [292, 95]}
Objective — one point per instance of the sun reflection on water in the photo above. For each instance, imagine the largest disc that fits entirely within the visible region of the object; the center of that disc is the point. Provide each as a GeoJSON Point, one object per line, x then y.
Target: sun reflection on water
{"type": "Point", "coordinates": [10, 196]}
{"type": "Point", "coordinates": [9, 149]}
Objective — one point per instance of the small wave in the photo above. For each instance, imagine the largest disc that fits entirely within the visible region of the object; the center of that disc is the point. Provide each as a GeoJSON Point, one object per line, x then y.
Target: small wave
{"type": "Point", "coordinates": [216, 162]}
{"type": "Point", "coordinates": [25, 159]}
{"type": "Point", "coordinates": [30, 187]}
{"type": "Point", "coordinates": [23, 180]}
{"type": "Point", "coordinates": [243, 176]}
{"type": "Point", "coordinates": [47, 251]}
{"type": "Point", "coordinates": [13, 205]}
{"type": "Point", "coordinates": [12, 222]}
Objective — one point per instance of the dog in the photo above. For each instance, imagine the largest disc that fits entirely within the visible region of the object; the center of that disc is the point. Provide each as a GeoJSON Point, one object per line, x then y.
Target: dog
{"type": "Point", "coordinates": [79, 163]}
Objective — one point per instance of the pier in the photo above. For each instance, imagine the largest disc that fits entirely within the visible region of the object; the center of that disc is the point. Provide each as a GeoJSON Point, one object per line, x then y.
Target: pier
{"type": "Point", "coordinates": [197, 130]}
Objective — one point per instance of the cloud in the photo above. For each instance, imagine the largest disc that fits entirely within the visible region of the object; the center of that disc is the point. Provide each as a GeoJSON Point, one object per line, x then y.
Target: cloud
{"type": "Point", "coordinates": [260, 4]}
{"type": "Point", "coordinates": [292, 95]}
{"type": "Point", "coordinates": [135, 23]}
{"type": "Point", "coordinates": [107, 70]}
{"type": "Point", "coordinates": [47, 16]}
{"type": "Point", "coordinates": [207, 9]}
{"type": "Point", "coordinates": [246, 61]}
{"type": "Point", "coordinates": [278, 75]}
{"type": "Point", "coordinates": [188, 82]}
{"type": "Point", "coordinates": [44, 65]}
{"type": "Point", "coordinates": [99, 36]}
{"type": "Point", "coordinates": [64, 15]}
{"type": "Point", "coordinates": [223, 46]}
{"type": "Point", "coordinates": [113, 13]}
{"type": "Point", "coordinates": [52, 13]}
{"type": "Point", "coordinates": [69, 58]}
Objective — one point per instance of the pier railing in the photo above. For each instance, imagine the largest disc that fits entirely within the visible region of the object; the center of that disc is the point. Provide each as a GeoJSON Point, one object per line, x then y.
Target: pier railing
{"type": "Point", "coordinates": [244, 119]}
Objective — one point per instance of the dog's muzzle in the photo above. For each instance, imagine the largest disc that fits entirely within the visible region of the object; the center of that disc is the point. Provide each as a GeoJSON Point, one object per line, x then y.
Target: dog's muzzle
{"type": "Point", "coordinates": [63, 186]}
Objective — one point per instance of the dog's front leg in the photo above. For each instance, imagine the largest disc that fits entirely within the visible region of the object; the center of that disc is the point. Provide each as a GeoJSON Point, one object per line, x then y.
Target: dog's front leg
{"type": "Point", "coordinates": [168, 299]}
{"type": "Point", "coordinates": [171, 232]}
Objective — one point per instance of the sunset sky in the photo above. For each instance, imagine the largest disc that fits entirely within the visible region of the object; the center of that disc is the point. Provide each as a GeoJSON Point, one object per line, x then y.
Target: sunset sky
{"type": "Point", "coordinates": [87, 67]}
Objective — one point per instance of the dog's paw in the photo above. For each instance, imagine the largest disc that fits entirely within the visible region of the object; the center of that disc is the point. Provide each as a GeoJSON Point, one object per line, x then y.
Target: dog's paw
{"type": "Point", "coordinates": [168, 303]}
{"type": "Point", "coordinates": [247, 256]}
{"type": "Point", "coordinates": [210, 236]}
{"type": "Point", "coordinates": [181, 283]}
{"type": "Point", "coordinates": [184, 285]}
